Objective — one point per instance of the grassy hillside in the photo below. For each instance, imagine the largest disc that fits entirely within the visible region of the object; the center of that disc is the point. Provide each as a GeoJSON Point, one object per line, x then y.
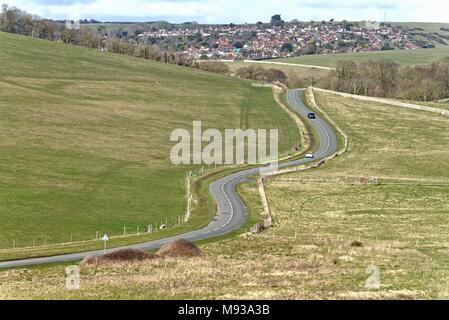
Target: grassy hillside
{"type": "Point", "coordinates": [428, 32]}
{"type": "Point", "coordinates": [287, 69]}
{"type": "Point", "coordinates": [84, 138]}
{"type": "Point", "coordinates": [402, 57]}
{"type": "Point", "coordinates": [400, 224]}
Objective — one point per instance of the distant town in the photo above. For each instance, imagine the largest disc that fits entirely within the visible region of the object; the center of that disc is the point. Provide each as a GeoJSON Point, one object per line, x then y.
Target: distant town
{"type": "Point", "coordinates": [275, 39]}
{"type": "Point", "coordinates": [185, 43]}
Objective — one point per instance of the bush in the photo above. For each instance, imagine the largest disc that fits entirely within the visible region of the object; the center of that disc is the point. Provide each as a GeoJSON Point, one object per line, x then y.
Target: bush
{"type": "Point", "coordinates": [276, 75]}
{"type": "Point", "coordinates": [214, 66]}
{"type": "Point", "coordinates": [180, 249]}
{"type": "Point", "coordinates": [259, 73]}
{"type": "Point", "coordinates": [356, 244]}
{"type": "Point", "coordinates": [295, 81]}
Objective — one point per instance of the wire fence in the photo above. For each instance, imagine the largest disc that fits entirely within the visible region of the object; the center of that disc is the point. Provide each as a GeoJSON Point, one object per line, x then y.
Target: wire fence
{"type": "Point", "coordinates": [43, 241]}
{"type": "Point", "coordinates": [344, 179]}
{"type": "Point", "coordinates": [47, 240]}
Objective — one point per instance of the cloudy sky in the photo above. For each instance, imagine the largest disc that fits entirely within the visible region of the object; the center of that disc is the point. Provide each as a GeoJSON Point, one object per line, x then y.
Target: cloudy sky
{"type": "Point", "coordinates": [237, 11]}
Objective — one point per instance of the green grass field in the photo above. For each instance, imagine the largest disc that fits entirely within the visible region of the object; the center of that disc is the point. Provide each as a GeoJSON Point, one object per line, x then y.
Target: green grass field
{"type": "Point", "coordinates": [287, 69]}
{"type": "Point", "coordinates": [436, 33]}
{"type": "Point", "coordinates": [402, 57]}
{"type": "Point", "coordinates": [439, 105]}
{"type": "Point", "coordinates": [84, 138]}
{"type": "Point", "coordinates": [425, 26]}
{"type": "Point", "coordinates": [401, 225]}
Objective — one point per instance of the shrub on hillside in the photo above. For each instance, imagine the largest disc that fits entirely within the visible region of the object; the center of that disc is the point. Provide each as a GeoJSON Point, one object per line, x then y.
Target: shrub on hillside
{"type": "Point", "coordinates": [180, 249]}
{"type": "Point", "coordinates": [259, 73]}
{"type": "Point", "coordinates": [276, 75]}
{"type": "Point", "coordinates": [295, 81]}
{"type": "Point", "coordinates": [214, 66]}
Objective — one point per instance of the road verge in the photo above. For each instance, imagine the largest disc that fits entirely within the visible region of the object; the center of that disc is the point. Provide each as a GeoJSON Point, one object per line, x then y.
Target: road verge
{"type": "Point", "coordinates": [386, 101]}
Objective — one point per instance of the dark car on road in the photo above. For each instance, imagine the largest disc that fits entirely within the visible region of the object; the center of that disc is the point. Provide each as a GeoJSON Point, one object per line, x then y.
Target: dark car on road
{"type": "Point", "coordinates": [311, 116]}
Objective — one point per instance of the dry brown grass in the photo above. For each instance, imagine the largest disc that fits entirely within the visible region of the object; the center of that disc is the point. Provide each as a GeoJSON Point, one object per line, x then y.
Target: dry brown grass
{"type": "Point", "coordinates": [119, 256]}
{"type": "Point", "coordinates": [180, 249]}
{"type": "Point", "coordinates": [402, 224]}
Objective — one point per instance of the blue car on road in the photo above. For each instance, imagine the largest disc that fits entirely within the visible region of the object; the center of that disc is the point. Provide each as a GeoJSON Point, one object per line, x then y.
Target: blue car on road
{"type": "Point", "coordinates": [311, 115]}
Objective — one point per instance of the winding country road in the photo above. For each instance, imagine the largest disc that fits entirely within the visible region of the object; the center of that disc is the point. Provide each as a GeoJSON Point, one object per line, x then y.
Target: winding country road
{"type": "Point", "coordinates": [231, 211]}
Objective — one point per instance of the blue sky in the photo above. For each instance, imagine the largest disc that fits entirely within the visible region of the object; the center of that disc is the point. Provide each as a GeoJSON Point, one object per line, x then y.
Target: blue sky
{"type": "Point", "coordinates": [237, 11]}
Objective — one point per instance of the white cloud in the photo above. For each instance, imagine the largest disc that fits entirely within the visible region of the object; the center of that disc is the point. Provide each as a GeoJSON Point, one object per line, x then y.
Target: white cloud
{"type": "Point", "coordinates": [224, 11]}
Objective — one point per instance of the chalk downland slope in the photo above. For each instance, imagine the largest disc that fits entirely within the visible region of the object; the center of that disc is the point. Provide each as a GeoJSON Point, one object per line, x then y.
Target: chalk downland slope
{"type": "Point", "coordinates": [84, 139]}
{"type": "Point", "coordinates": [402, 57]}
{"type": "Point", "coordinates": [330, 225]}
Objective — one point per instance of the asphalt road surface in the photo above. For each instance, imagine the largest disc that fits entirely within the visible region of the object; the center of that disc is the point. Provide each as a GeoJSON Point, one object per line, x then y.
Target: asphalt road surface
{"type": "Point", "coordinates": [231, 211]}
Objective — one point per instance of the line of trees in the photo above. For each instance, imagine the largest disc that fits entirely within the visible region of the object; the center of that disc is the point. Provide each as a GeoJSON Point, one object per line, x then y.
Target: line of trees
{"type": "Point", "coordinates": [148, 52]}
{"type": "Point", "coordinates": [14, 20]}
{"type": "Point", "coordinates": [387, 79]}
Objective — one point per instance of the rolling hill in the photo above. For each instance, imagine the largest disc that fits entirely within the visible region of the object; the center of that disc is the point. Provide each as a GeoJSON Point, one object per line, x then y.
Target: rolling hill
{"type": "Point", "coordinates": [402, 57]}
{"type": "Point", "coordinates": [84, 139]}
{"type": "Point", "coordinates": [330, 227]}
{"type": "Point", "coordinates": [427, 32]}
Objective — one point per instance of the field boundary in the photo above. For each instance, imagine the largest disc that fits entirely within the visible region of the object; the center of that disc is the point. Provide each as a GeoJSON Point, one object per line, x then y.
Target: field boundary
{"type": "Point", "coordinates": [386, 101]}
{"type": "Point", "coordinates": [289, 64]}
{"type": "Point", "coordinates": [189, 197]}
{"type": "Point", "coordinates": [263, 196]}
